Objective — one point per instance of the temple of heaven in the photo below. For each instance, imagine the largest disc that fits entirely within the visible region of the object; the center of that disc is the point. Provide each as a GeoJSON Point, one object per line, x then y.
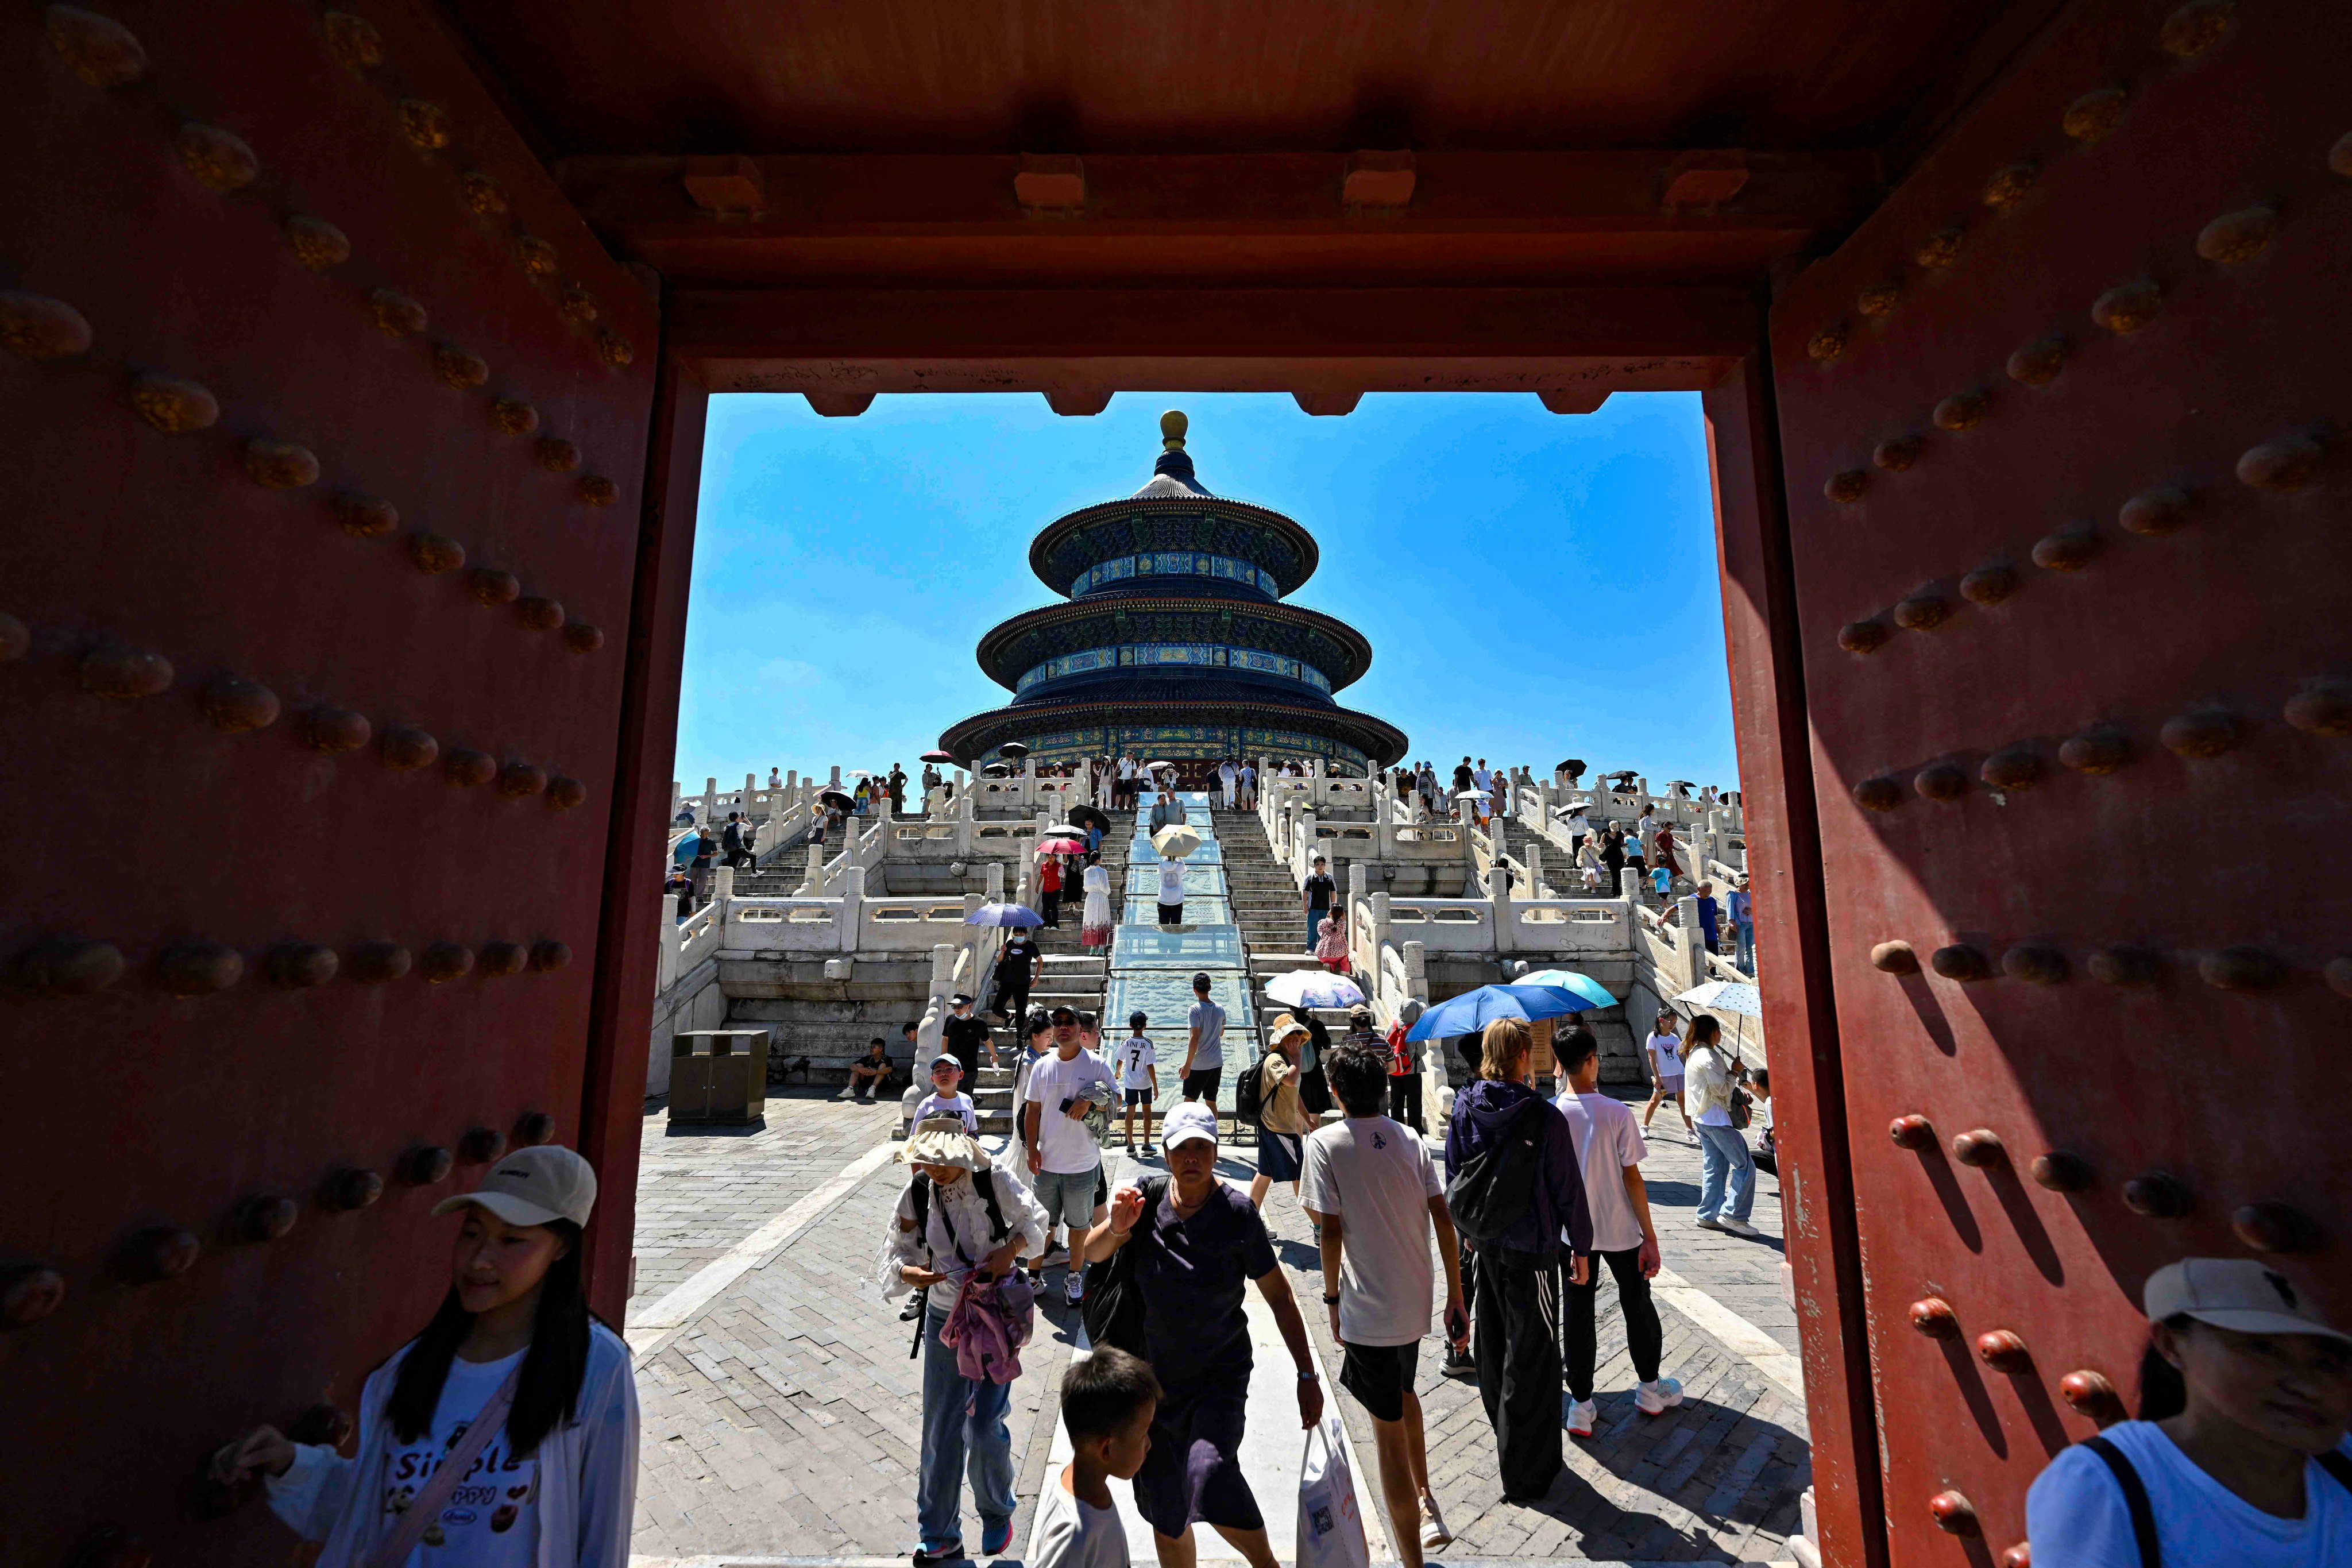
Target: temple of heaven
{"type": "Point", "coordinates": [1174, 642]}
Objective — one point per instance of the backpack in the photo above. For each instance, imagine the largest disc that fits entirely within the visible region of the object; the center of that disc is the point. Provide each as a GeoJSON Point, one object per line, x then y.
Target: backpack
{"type": "Point", "coordinates": [1491, 1192]}
{"type": "Point", "coordinates": [1249, 1093]}
{"type": "Point", "coordinates": [1113, 1308]}
{"type": "Point", "coordinates": [920, 1190]}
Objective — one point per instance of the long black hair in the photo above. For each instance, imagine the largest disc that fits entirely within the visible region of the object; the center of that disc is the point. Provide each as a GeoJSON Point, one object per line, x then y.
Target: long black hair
{"type": "Point", "coordinates": [552, 1368]}
{"type": "Point", "coordinates": [2163, 1392]}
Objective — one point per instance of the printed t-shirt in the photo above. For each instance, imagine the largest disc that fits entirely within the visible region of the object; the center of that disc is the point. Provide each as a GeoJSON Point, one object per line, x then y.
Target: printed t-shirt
{"type": "Point", "coordinates": [1072, 1533]}
{"type": "Point", "coordinates": [2077, 1518]}
{"type": "Point", "coordinates": [958, 1104]}
{"type": "Point", "coordinates": [1136, 1058]}
{"type": "Point", "coordinates": [1666, 1051]}
{"type": "Point", "coordinates": [1320, 891]}
{"type": "Point", "coordinates": [1191, 1274]}
{"type": "Point", "coordinates": [1017, 962]}
{"type": "Point", "coordinates": [1376, 1177]}
{"type": "Point", "coordinates": [1171, 882]}
{"type": "Point", "coordinates": [1065, 1147]}
{"type": "Point", "coordinates": [1608, 1140]}
{"type": "Point", "coordinates": [1210, 1019]}
{"type": "Point", "coordinates": [491, 1519]}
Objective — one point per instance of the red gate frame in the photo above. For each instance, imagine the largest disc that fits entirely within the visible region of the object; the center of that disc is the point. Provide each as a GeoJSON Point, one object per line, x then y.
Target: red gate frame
{"type": "Point", "coordinates": [844, 346]}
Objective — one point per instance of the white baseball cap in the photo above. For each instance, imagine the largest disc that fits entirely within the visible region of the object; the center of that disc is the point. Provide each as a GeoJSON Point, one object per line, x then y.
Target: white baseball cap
{"type": "Point", "coordinates": [531, 1187]}
{"type": "Point", "coordinates": [1186, 1123]}
{"type": "Point", "coordinates": [2235, 1293]}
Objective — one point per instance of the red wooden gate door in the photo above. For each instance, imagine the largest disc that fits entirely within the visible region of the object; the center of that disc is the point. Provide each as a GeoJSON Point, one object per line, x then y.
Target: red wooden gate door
{"type": "Point", "coordinates": [324, 420]}
{"type": "Point", "coordinates": [2062, 427]}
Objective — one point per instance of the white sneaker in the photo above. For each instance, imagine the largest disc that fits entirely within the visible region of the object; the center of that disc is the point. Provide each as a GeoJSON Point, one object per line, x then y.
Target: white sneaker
{"type": "Point", "coordinates": [1739, 1227]}
{"type": "Point", "coordinates": [1074, 1288]}
{"type": "Point", "coordinates": [1658, 1398]}
{"type": "Point", "coordinates": [1579, 1417]}
{"type": "Point", "coordinates": [1708, 1223]}
{"type": "Point", "coordinates": [1433, 1533]}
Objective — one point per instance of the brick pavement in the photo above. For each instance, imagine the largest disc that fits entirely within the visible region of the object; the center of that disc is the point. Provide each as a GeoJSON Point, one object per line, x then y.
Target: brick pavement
{"type": "Point", "coordinates": [784, 1420]}
{"type": "Point", "coordinates": [700, 1190]}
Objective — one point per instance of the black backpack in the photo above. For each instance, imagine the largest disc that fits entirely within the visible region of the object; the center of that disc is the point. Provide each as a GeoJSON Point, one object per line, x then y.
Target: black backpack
{"type": "Point", "coordinates": [1113, 1309]}
{"type": "Point", "coordinates": [1491, 1192]}
{"type": "Point", "coordinates": [1249, 1093]}
{"type": "Point", "coordinates": [919, 1189]}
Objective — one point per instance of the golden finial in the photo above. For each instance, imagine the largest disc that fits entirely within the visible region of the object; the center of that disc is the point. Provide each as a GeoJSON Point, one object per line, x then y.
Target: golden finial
{"type": "Point", "coordinates": [1172, 425]}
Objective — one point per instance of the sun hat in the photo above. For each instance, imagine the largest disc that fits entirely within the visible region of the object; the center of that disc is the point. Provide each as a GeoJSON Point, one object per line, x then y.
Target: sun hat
{"type": "Point", "coordinates": [1188, 1123]}
{"type": "Point", "coordinates": [1283, 1027]}
{"type": "Point", "coordinates": [2235, 1293]}
{"type": "Point", "coordinates": [531, 1187]}
{"type": "Point", "coordinates": [942, 1141]}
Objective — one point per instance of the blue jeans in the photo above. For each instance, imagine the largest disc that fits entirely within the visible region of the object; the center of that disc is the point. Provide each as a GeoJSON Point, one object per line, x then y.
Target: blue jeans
{"type": "Point", "coordinates": [959, 1414]}
{"type": "Point", "coordinates": [1723, 1152]}
{"type": "Point", "coordinates": [1746, 932]}
{"type": "Point", "coordinates": [1314, 927]}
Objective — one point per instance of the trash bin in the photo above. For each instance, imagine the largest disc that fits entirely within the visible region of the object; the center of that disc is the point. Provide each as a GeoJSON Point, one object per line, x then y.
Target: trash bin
{"type": "Point", "coordinates": [719, 1076]}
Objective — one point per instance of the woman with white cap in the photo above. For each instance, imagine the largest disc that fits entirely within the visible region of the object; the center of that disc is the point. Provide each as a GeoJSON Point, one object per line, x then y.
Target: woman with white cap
{"type": "Point", "coordinates": [2238, 1455]}
{"type": "Point", "coordinates": [947, 1228]}
{"type": "Point", "coordinates": [505, 1436]}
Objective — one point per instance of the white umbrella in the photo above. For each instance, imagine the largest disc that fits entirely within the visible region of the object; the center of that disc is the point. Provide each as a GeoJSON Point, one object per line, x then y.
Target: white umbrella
{"type": "Point", "coordinates": [1314, 988]}
{"type": "Point", "coordinates": [1732, 996]}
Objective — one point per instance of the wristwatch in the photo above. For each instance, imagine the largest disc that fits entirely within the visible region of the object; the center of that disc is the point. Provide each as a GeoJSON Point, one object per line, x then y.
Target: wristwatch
{"type": "Point", "coordinates": [1310, 1376]}
{"type": "Point", "coordinates": [1330, 1300]}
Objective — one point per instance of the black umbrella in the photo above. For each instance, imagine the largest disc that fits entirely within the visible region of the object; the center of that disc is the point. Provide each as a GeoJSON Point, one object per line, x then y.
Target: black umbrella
{"type": "Point", "coordinates": [841, 798]}
{"type": "Point", "coordinates": [1573, 767]}
{"type": "Point", "coordinates": [997, 771]}
{"type": "Point", "coordinates": [1013, 749]}
{"type": "Point", "coordinates": [1089, 816]}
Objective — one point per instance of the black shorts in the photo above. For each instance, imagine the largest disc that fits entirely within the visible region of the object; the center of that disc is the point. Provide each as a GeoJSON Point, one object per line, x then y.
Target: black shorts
{"type": "Point", "coordinates": [1202, 1084]}
{"type": "Point", "coordinates": [1171, 914]}
{"type": "Point", "coordinates": [1139, 1097]}
{"type": "Point", "coordinates": [1379, 1376]}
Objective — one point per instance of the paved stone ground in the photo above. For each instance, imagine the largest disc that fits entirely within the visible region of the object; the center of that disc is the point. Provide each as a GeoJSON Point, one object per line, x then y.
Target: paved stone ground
{"type": "Point", "coordinates": [700, 1190]}
{"type": "Point", "coordinates": [784, 1420]}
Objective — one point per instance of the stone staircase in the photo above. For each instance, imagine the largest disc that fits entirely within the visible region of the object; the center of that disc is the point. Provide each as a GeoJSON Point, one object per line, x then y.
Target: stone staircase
{"type": "Point", "coordinates": [1266, 897]}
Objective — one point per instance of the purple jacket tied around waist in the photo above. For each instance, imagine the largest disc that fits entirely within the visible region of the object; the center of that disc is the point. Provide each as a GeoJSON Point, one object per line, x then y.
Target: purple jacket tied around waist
{"type": "Point", "coordinates": [1481, 1115]}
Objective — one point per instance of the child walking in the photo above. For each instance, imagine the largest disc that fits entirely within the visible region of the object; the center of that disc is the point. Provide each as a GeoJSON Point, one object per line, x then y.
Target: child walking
{"type": "Point", "coordinates": [1107, 1403]}
{"type": "Point", "coordinates": [1137, 1064]}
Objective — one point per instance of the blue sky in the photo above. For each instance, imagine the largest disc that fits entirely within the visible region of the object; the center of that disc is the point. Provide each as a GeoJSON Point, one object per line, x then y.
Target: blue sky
{"type": "Point", "coordinates": [1535, 585]}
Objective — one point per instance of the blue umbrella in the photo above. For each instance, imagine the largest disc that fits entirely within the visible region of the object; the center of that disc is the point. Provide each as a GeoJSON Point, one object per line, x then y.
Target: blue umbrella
{"type": "Point", "coordinates": [1584, 985]}
{"type": "Point", "coordinates": [1474, 1010]}
{"type": "Point", "coordinates": [1003, 915]}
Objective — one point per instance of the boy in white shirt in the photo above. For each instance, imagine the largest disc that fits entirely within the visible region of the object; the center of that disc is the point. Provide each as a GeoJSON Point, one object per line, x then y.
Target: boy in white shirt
{"type": "Point", "coordinates": [946, 1099]}
{"type": "Point", "coordinates": [1610, 1151]}
{"type": "Point", "coordinates": [1137, 1063]}
{"type": "Point", "coordinates": [1107, 1402]}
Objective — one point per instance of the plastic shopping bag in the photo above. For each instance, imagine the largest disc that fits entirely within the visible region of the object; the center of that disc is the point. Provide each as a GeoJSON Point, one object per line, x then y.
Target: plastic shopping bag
{"type": "Point", "coordinates": [1330, 1530]}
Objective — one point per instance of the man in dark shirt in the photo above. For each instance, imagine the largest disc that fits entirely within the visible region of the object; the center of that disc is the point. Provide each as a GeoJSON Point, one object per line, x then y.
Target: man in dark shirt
{"type": "Point", "coordinates": [964, 1037]}
{"type": "Point", "coordinates": [730, 838]}
{"type": "Point", "coordinates": [1321, 893]}
{"type": "Point", "coordinates": [1016, 971]}
{"type": "Point", "coordinates": [1463, 778]}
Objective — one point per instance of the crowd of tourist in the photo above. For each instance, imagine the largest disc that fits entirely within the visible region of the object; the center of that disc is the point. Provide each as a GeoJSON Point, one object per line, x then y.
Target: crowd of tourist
{"type": "Point", "coordinates": [2239, 1452]}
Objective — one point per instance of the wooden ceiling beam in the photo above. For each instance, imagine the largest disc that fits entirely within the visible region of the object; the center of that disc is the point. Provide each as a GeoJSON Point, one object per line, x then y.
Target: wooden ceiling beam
{"type": "Point", "coordinates": [1226, 217]}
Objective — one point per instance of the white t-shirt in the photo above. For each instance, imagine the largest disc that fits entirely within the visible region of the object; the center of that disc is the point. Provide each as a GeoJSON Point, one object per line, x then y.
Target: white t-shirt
{"type": "Point", "coordinates": [1171, 882]}
{"type": "Point", "coordinates": [1608, 1140]}
{"type": "Point", "coordinates": [957, 1104]}
{"type": "Point", "coordinates": [1136, 1058]}
{"type": "Point", "coordinates": [1070, 1533]}
{"type": "Point", "coordinates": [1376, 1177]}
{"type": "Point", "coordinates": [2076, 1517]}
{"type": "Point", "coordinates": [491, 1519]}
{"type": "Point", "coordinates": [1067, 1148]}
{"type": "Point", "coordinates": [1666, 1051]}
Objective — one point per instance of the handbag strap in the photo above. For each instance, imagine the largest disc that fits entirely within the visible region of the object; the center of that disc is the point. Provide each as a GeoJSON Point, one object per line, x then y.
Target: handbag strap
{"type": "Point", "coordinates": [2136, 1503]}
{"type": "Point", "coordinates": [454, 1467]}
